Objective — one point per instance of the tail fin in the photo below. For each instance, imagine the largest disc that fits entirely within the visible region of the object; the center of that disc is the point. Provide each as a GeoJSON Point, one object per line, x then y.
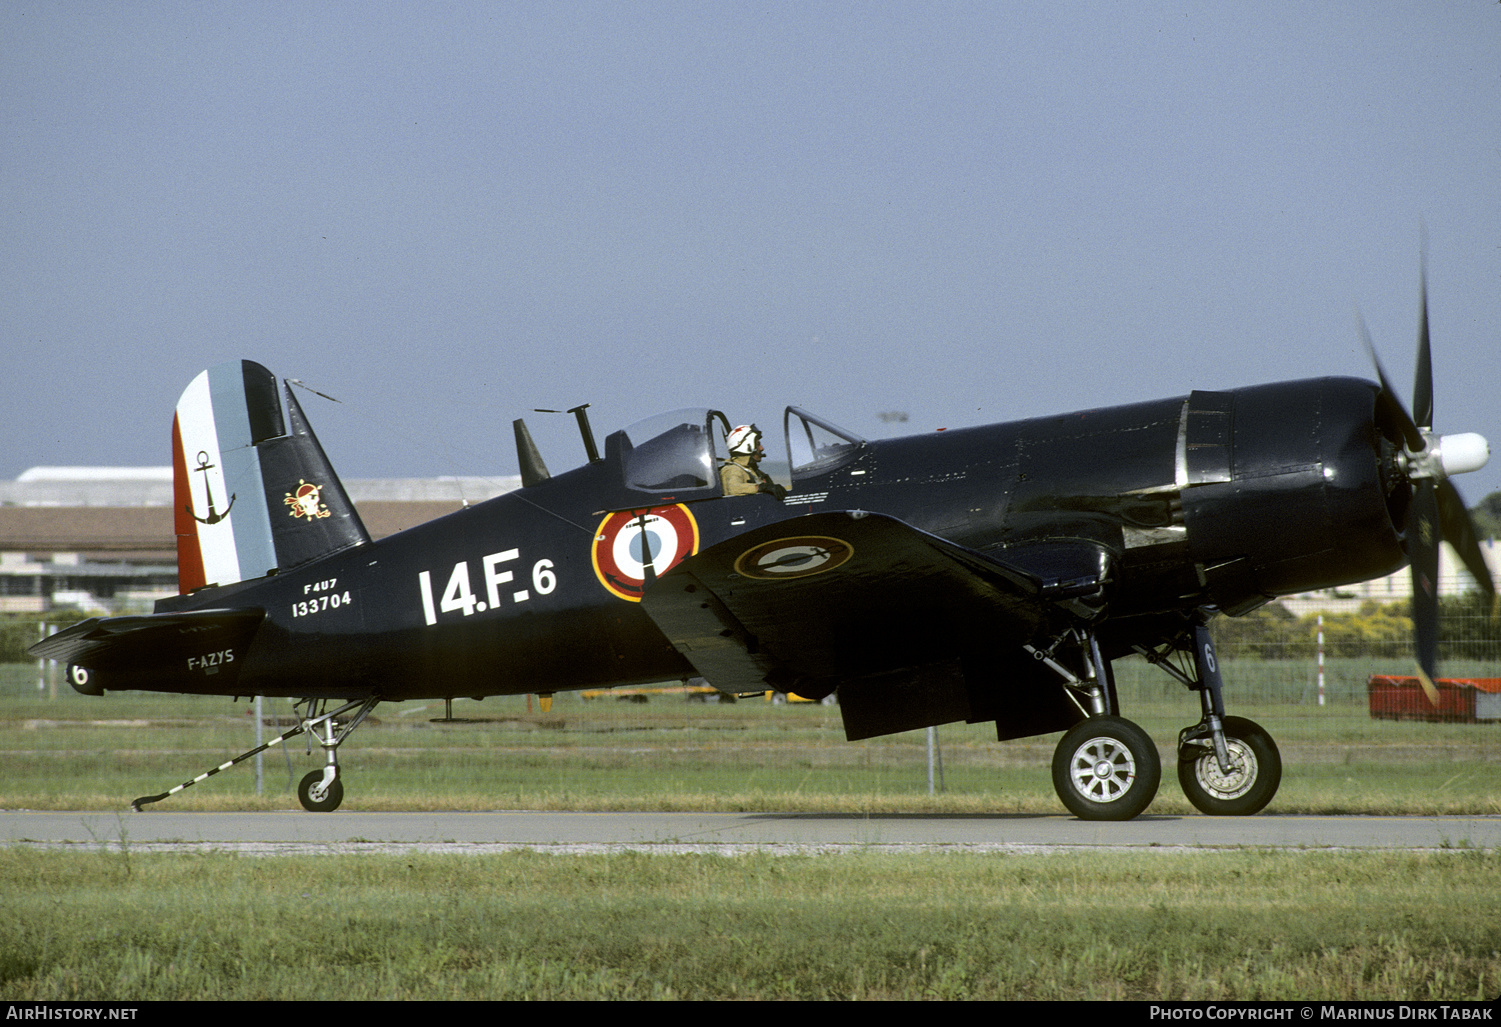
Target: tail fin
{"type": "Point", "coordinates": [253, 490]}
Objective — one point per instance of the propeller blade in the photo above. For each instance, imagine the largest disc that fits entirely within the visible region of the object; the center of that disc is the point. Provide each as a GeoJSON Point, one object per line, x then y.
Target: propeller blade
{"type": "Point", "coordinates": [1422, 553]}
{"type": "Point", "coordinates": [1387, 402]}
{"type": "Point", "coordinates": [1422, 383]}
{"type": "Point", "coordinates": [1437, 512]}
{"type": "Point", "coordinates": [1438, 505]}
{"type": "Point", "coordinates": [1459, 531]}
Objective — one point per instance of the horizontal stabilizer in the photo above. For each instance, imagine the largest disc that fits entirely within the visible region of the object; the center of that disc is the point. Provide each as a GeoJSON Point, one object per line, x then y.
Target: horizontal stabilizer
{"type": "Point", "coordinates": [104, 642]}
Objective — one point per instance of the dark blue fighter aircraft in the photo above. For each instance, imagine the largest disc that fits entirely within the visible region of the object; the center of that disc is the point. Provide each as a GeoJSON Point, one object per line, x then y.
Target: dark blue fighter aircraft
{"type": "Point", "coordinates": [981, 574]}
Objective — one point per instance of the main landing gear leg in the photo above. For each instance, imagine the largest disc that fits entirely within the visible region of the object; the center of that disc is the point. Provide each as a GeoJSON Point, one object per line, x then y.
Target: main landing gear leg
{"type": "Point", "coordinates": [321, 791]}
{"type": "Point", "coordinates": [1228, 766]}
{"type": "Point", "coordinates": [1105, 767]}
{"type": "Point", "coordinates": [324, 721]}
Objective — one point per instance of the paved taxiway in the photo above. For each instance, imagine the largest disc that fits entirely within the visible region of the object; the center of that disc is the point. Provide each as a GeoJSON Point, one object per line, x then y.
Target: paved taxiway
{"type": "Point", "coordinates": [348, 831]}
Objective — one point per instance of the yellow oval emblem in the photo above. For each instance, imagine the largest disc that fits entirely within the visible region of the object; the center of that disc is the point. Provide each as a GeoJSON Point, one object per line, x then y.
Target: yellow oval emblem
{"type": "Point", "coordinates": [796, 557]}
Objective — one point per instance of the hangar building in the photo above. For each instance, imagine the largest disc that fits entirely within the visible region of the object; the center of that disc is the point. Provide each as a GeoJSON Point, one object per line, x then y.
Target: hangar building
{"type": "Point", "coordinates": [99, 539]}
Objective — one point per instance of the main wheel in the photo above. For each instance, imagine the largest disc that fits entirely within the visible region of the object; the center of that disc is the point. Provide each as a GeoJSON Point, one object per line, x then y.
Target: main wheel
{"type": "Point", "coordinates": [1248, 787]}
{"type": "Point", "coordinates": [1106, 768]}
{"type": "Point", "coordinates": [320, 800]}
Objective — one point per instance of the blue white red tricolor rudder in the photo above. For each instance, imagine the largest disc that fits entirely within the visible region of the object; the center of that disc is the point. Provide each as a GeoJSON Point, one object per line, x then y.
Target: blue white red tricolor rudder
{"type": "Point", "coordinates": [253, 490]}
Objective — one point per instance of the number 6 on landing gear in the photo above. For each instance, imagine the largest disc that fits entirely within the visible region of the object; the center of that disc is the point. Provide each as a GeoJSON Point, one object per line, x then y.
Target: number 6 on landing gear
{"type": "Point", "coordinates": [989, 574]}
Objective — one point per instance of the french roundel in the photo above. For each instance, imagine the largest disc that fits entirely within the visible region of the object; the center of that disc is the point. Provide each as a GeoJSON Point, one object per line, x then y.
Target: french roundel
{"type": "Point", "coordinates": [627, 541]}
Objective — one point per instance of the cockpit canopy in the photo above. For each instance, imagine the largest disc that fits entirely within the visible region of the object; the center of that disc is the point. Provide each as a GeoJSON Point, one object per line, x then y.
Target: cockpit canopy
{"type": "Point", "coordinates": [675, 457]}
{"type": "Point", "coordinates": [676, 453]}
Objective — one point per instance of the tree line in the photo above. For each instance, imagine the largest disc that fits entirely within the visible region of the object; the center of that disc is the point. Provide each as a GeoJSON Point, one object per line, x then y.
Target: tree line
{"type": "Point", "coordinates": [1468, 630]}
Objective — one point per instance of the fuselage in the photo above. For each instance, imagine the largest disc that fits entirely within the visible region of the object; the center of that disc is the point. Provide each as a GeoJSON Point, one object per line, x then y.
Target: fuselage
{"type": "Point", "coordinates": [1218, 499]}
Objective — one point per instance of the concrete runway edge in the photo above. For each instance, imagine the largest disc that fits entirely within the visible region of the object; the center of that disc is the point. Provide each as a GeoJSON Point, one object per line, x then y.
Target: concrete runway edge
{"type": "Point", "coordinates": [578, 832]}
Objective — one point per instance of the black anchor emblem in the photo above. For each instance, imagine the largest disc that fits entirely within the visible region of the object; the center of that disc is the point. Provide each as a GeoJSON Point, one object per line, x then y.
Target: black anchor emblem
{"type": "Point", "coordinates": [213, 517]}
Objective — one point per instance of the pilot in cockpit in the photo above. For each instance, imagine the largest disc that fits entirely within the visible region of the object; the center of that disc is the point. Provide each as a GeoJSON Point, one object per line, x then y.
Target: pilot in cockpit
{"type": "Point", "coordinates": [741, 475]}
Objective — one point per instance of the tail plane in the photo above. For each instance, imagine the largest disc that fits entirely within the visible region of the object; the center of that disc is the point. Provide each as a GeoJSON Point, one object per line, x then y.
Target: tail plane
{"type": "Point", "coordinates": [253, 491]}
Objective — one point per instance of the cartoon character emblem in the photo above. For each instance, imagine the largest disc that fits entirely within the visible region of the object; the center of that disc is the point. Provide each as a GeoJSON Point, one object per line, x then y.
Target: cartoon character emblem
{"type": "Point", "coordinates": [308, 502]}
{"type": "Point", "coordinates": [633, 547]}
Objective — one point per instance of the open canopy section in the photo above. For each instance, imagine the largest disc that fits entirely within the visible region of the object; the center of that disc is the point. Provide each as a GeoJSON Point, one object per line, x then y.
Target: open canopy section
{"type": "Point", "coordinates": [816, 446]}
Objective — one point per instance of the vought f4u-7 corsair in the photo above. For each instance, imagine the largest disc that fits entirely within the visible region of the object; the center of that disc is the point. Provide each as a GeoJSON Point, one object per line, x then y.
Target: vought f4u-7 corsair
{"type": "Point", "coordinates": [982, 574]}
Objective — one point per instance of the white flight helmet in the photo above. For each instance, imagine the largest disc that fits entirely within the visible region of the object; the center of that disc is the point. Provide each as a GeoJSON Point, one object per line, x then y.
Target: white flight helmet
{"type": "Point", "coordinates": [744, 440]}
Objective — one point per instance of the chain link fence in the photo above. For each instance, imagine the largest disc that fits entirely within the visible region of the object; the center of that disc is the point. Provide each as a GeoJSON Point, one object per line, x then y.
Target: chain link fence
{"type": "Point", "coordinates": [1304, 677]}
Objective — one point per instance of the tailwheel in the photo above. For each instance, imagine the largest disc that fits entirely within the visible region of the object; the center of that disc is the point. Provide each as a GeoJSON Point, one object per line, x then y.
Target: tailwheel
{"type": "Point", "coordinates": [316, 794]}
{"type": "Point", "coordinates": [316, 797]}
{"type": "Point", "coordinates": [1106, 768]}
{"type": "Point", "coordinates": [1254, 774]}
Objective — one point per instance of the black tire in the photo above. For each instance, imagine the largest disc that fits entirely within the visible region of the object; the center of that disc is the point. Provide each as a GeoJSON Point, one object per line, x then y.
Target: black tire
{"type": "Point", "coordinates": [331, 798]}
{"type": "Point", "coordinates": [1249, 788]}
{"type": "Point", "coordinates": [1106, 768]}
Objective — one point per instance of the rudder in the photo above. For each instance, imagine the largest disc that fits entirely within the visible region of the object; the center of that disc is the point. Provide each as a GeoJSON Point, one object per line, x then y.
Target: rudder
{"type": "Point", "coordinates": [253, 490]}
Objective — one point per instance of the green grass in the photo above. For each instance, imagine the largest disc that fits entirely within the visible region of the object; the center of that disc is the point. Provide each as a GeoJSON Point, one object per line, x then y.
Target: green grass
{"type": "Point", "coordinates": [1236, 925]}
{"type": "Point", "coordinates": [137, 926]}
{"type": "Point", "coordinates": [78, 752]}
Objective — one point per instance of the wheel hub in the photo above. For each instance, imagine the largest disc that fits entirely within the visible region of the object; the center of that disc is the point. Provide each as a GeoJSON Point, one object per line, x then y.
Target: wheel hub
{"type": "Point", "coordinates": [1103, 769]}
{"type": "Point", "coordinates": [1234, 784]}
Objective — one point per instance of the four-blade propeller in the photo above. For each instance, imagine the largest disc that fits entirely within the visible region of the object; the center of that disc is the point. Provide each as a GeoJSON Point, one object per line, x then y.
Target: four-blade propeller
{"type": "Point", "coordinates": [1437, 512]}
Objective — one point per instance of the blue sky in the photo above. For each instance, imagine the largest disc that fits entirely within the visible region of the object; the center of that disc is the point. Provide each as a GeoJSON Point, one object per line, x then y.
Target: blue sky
{"type": "Point", "coordinates": [446, 215]}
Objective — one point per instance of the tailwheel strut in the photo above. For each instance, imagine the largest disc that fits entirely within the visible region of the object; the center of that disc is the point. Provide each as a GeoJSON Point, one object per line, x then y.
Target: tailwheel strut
{"type": "Point", "coordinates": [321, 791]}
{"type": "Point", "coordinates": [322, 726]}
